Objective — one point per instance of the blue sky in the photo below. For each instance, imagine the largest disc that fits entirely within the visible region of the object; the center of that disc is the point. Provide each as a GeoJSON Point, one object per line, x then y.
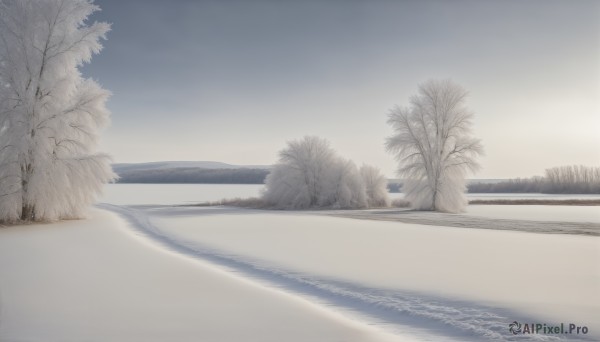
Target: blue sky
{"type": "Point", "coordinates": [232, 81]}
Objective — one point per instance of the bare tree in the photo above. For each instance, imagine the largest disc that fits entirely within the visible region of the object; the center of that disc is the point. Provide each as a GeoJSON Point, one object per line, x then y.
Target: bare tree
{"type": "Point", "coordinates": [577, 179]}
{"type": "Point", "coordinates": [50, 116]}
{"type": "Point", "coordinates": [432, 143]}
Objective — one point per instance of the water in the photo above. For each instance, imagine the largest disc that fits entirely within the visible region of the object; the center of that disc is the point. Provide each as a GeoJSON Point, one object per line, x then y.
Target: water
{"type": "Point", "coordinates": [173, 194]}
{"type": "Point", "coordinates": [170, 194]}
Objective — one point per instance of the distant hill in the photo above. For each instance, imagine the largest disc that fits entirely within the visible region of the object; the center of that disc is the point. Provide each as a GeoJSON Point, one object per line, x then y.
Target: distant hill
{"type": "Point", "coordinates": [121, 167]}
{"type": "Point", "coordinates": [207, 172]}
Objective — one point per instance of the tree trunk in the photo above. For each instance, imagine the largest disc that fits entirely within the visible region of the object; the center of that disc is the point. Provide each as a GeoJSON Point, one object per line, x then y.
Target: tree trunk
{"type": "Point", "coordinates": [27, 209]}
{"type": "Point", "coordinates": [27, 213]}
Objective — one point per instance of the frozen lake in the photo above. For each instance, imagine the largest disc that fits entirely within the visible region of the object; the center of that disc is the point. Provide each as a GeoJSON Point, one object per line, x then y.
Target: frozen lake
{"type": "Point", "coordinates": [123, 194]}
{"type": "Point", "coordinates": [173, 194]}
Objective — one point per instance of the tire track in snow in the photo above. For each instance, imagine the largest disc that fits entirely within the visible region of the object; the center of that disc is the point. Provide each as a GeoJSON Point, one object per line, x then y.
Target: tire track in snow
{"type": "Point", "coordinates": [395, 310]}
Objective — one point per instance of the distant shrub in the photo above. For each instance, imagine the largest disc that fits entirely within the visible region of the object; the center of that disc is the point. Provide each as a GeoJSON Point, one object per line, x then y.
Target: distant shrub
{"type": "Point", "coordinates": [309, 174]}
{"type": "Point", "coordinates": [375, 186]}
{"type": "Point", "coordinates": [400, 203]}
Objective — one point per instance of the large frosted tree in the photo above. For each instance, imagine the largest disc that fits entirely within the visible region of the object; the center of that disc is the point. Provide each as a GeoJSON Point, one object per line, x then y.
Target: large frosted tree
{"type": "Point", "coordinates": [50, 116]}
{"type": "Point", "coordinates": [433, 144]}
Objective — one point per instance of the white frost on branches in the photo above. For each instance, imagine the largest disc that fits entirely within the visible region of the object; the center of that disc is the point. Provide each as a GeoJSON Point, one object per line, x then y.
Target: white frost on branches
{"type": "Point", "coordinates": [50, 116]}
{"type": "Point", "coordinates": [375, 186]}
{"type": "Point", "coordinates": [309, 174]}
{"type": "Point", "coordinates": [433, 145]}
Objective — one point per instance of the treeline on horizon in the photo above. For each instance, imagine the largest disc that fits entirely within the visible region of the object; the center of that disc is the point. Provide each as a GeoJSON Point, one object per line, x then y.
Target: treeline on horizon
{"type": "Point", "coordinates": [558, 180]}
{"type": "Point", "coordinates": [573, 179]}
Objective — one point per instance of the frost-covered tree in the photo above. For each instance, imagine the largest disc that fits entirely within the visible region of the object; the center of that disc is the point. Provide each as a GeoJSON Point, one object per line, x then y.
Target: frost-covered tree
{"type": "Point", "coordinates": [344, 186]}
{"type": "Point", "coordinates": [309, 174]}
{"type": "Point", "coordinates": [375, 186]}
{"type": "Point", "coordinates": [50, 116]}
{"type": "Point", "coordinates": [298, 180]}
{"type": "Point", "coordinates": [433, 144]}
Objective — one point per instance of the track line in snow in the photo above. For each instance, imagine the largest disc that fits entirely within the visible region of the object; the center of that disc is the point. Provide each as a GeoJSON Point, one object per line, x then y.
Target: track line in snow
{"type": "Point", "coordinates": [393, 309]}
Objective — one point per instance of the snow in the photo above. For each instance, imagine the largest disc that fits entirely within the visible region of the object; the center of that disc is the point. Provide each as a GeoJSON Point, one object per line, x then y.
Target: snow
{"type": "Point", "coordinates": [157, 272]}
{"type": "Point", "coordinates": [466, 284]}
{"type": "Point", "coordinates": [97, 280]}
{"type": "Point", "coordinates": [493, 218]}
{"type": "Point", "coordinates": [569, 213]}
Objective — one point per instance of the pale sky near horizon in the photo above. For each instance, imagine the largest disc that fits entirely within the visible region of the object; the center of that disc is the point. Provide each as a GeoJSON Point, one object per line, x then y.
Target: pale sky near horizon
{"type": "Point", "coordinates": [233, 80]}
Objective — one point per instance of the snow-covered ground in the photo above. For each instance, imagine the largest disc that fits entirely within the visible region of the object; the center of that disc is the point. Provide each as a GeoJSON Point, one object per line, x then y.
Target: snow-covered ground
{"type": "Point", "coordinates": [408, 279]}
{"type": "Point", "coordinates": [158, 272]}
{"type": "Point", "coordinates": [528, 218]}
{"type": "Point", "coordinates": [97, 280]}
{"type": "Point", "coordinates": [557, 213]}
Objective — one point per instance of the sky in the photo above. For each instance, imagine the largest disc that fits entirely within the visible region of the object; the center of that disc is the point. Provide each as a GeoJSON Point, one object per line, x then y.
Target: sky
{"type": "Point", "coordinates": [233, 81]}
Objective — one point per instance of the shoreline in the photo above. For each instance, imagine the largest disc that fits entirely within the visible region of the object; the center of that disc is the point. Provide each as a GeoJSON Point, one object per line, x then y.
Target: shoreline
{"type": "Point", "coordinates": [432, 218]}
{"type": "Point", "coordinates": [566, 202]}
{"type": "Point", "coordinates": [258, 203]}
{"type": "Point", "coordinates": [473, 222]}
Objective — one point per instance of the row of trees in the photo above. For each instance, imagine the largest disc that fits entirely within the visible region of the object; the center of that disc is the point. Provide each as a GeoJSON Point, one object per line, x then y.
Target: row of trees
{"type": "Point", "coordinates": [517, 185]}
{"type": "Point", "coordinates": [574, 179]}
{"type": "Point", "coordinates": [577, 179]}
{"type": "Point", "coordinates": [310, 174]}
